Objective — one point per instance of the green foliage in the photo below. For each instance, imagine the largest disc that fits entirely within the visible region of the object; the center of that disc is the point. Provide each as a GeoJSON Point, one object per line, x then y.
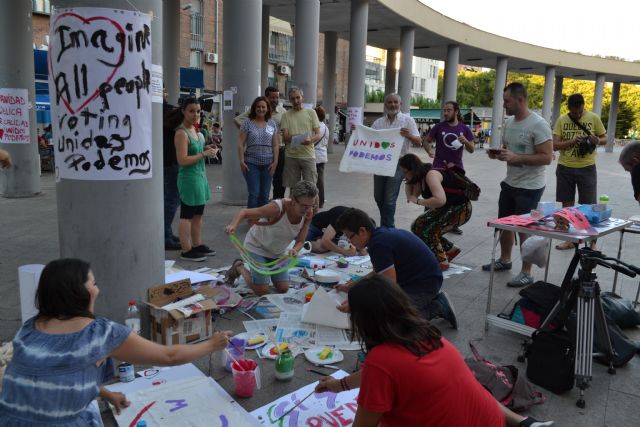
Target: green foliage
{"type": "Point", "coordinates": [422, 102]}
{"type": "Point", "coordinates": [624, 121]}
{"type": "Point", "coordinates": [374, 96]}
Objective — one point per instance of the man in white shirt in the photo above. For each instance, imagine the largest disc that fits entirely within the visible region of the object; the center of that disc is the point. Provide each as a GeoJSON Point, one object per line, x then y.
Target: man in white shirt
{"type": "Point", "coordinates": [387, 188]}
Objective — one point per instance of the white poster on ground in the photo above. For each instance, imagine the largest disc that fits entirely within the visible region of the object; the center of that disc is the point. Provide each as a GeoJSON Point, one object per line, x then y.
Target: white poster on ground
{"type": "Point", "coordinates": [14, 116]}
{"type": "Point", "coordinates": [100, 91]}
{"type": "Point", "coordinates": [372, 151]}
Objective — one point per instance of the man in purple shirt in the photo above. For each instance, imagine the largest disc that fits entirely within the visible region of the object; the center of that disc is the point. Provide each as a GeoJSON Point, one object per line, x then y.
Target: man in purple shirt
{"type": "Point", "coordinates": [451, 135]}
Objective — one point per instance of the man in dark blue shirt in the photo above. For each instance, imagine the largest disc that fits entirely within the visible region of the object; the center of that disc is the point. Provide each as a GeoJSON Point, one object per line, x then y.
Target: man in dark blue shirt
{"type": "Point", "coordinates": [402, 257]}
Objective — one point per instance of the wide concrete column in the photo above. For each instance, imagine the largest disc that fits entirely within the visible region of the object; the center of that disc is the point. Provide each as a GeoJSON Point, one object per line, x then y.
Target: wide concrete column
{"type": "Point", "coordinates": [557, 99]}
{"type": "Point", "coordinates": [16, 72]}
{"type": "Point", "coordinates": [613, 116]}
{"type": "Point", "coordinates": [264, 61]}
{"type": "Point", "coordinates": [390, 72]}
{"type": "Point", "coordinates": [116, 225]}
{"type": "Point", "coordinates": [450, 84]}
{"type": "Point", "coordinates": [498, 110]}
{"type": "Point", "coordinates": [405, 75]}
{"type": "Point", "coordinates": [547, 96]}
{"type": "Point", "coordinates": [598, 94]}
{"type": "Point", "coordinates": [242, 22]}
{"type": "Point", "coordinates": [357, 56]}
{"type": "Point", "coordinates": [329, 82]}
{"type": "Point", "coordinates": [305, 70]}
{"type": "Point", "coordinates": [171, 49]}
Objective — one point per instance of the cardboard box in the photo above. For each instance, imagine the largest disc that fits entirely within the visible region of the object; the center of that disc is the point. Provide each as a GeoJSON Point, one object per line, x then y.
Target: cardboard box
{"type": "Point", "coordinates": [171, 326]}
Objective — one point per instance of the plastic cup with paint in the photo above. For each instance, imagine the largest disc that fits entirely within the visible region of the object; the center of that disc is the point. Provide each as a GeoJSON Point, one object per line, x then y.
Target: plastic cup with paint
{"type": "Point", "coordinates": [246, 377]}
{"type": "Point", "coordinates": [308, 296]}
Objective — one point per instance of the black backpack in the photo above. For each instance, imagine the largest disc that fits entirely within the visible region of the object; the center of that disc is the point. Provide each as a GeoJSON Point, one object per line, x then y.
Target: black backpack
{"type": "Point", "coordinates": [551, 360]}
{"type": "Point", "coordinates": [464, 186]}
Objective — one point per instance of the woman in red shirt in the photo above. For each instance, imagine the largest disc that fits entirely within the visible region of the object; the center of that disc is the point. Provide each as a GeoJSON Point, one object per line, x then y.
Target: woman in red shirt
{"type": "Point", "coordinates": [412, 376]}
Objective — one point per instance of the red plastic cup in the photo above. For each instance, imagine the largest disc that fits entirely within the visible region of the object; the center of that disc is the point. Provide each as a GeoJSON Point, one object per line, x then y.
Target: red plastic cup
{"type": "Point", "coordinates": [245, 377]}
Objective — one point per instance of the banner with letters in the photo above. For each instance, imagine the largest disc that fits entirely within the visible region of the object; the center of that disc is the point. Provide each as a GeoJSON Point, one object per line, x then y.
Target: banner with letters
{"type": "Point", "coordinates": [372, 151]}
{"type": "Point", "coordinates": [99, 86]}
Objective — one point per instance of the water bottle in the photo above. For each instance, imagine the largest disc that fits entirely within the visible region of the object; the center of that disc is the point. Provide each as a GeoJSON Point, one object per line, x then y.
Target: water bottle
{"type": "Point", "coordinates": [141, 423]}
{"type": "Point", "coordinates": [132, 318]}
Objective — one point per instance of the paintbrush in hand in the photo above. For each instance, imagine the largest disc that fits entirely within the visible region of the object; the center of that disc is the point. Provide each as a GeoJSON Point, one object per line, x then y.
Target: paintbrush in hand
{"type": "Point", "coordinates": [296, 405]}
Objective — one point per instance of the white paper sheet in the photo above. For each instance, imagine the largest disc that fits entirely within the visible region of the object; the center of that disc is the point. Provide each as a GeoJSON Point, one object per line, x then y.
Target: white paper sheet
{"type": "Point", "coordinates": [194, 276]}
{"type": "Point", "coordinates": [297, 140]}
{"type": "Point", "coordinates": [321, 310]}
{"type": "Point", "coordinates": [319, 409]}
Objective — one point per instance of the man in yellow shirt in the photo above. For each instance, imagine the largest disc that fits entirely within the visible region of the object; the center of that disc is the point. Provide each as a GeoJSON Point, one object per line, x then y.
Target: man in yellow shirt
{"type": "Point", "coordinates": [576, 135]}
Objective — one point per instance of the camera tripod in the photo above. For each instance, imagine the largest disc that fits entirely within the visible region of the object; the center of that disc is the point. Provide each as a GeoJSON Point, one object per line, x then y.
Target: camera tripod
{"type": "Point", "coordinates": [583, 293]}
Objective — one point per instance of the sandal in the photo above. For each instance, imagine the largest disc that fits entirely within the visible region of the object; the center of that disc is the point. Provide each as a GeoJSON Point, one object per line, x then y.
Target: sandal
{"type": "Point", "coordinates": [564, 246]}
{"type": "Point", "coordinates": [233, 272]}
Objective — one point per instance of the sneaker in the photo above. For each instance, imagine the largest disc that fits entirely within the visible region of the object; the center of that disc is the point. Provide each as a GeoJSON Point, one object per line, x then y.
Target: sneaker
{"type": "Point", "coordinates": [172, 246]}
{"type": "Point", "coordinates": [192, 255]}
{"type": "Point", "coordinates": [532, 422]}
{"type": "Point", "coordinates": [456, 230]}
{"type": "Point", "coordinates": [204, 250]}
{"type": "Point", "coordinates": [452, 253]}
{"type": "Point", "coordinates": [522, 279]}
{"type": "Point", "coordinates": [498, 265]}
{"type": "Point", "coordinates": [448, 312]}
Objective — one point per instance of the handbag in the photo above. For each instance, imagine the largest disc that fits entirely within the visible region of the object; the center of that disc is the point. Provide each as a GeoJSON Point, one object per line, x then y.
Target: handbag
{"type": "Point", "coordinates": [551, 360]}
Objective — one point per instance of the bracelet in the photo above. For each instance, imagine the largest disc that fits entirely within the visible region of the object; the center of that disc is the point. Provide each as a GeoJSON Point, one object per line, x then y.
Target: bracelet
{"type": "Point", "coordinates": [344, 385]}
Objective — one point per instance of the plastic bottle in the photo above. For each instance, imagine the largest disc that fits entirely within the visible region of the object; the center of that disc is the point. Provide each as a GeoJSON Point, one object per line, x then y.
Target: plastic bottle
{"type": "Point", "coordinates": [141, 423]}
{"type": "Point", "coordinates": [132, 318]}
{"type": "Point", "coordinates": [284, 366]}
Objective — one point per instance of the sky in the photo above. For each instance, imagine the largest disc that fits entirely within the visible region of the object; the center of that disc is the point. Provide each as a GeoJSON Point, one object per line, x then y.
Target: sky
{"type": "Point", "coordinates": [591, 27]}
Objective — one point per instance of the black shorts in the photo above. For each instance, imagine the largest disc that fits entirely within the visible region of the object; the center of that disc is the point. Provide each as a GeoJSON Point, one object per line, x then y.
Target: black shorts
{"type": "Point", "coordinates": [517, 201]}
{"type": "Point", "coordinates": [188, 212]}
{"type": "Point", "coordinates": [585, 179]}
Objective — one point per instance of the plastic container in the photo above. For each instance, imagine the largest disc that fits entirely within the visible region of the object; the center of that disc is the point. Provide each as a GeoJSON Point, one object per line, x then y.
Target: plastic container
{"type": "Point", "coordinates": [285, 366]}
{"type": "Point", "coordinates": [141, 423]}
{"type": "Point", "coordinates": [133, 318]}
{"type": "Point", "coordinates": [236, 349]}
{"type": "Point", "coordinates": [246, 377]}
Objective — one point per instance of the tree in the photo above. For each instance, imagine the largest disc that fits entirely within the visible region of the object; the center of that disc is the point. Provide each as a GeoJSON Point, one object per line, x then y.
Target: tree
{"type": "Point", "coordinates": [624, 121]}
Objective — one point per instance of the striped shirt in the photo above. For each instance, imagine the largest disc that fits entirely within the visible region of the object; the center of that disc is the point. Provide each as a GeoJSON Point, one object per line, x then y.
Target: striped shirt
{"type": "Point", "coordinates": [53, 378]}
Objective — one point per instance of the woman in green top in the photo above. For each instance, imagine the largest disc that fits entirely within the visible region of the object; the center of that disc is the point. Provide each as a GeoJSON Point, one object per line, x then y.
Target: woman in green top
{"type": "Point", "coordinates": [192, 182]}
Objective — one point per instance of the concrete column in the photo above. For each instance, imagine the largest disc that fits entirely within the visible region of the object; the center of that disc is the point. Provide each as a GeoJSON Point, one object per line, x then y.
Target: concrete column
{"type": "Point", "coordinates": [242, 22]}
{"type": "Point", "coordinates": [390, 72]}
{"type": "Point", "coordinates": [329, 82]}
{"type": "Point", "coordinates": [598, 94]}
{"type": "Point", "coordinates": [357, 54]}
{"type": "Point", "coordinates": [498, 110]}
{"type": "Point", "coordinates": [171, 49]}
{"type": "Point", "coordinates": [264, 64]}
{"type": "Point", "coordinates": [450, 84]}
{"type": "Point", "coordinates": [405, 75]}
{"type": "Point", "coordinates": [613, 116]}
{"type": "Point", "coordinates": [547, 96]}
{"type": "Point", "coordinates": [17, 72]}
{"type": "Point", "coordinates": [117, 225]}
{"type": "Point", "coordinates": [557, 99]}
{"type": "Point", "coordinates": [305, 70]}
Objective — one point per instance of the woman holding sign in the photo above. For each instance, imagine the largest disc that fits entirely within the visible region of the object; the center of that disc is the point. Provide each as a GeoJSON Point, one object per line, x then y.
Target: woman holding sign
{"type": "Point", "coordinates": [412, 376]}
{"type": "Point", "coordinates": [445, 207]}
{"type": "Point", "coordinates": [193, 185]}
{"type": "Point", "coordinates": [258, 149]}
{"type": "Point", "coordinates": [61, 356]}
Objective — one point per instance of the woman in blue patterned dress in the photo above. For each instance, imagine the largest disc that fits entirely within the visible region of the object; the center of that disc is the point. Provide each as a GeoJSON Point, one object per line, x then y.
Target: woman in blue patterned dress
{"type": "Point", "coordinates": [258, 149]}
{"type": "Point", "coordinates": [62, 356]}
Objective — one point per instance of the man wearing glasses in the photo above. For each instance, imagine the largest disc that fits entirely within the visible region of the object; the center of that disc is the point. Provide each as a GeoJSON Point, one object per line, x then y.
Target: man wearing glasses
{"type": "Point", "coordinates": [402, 257]}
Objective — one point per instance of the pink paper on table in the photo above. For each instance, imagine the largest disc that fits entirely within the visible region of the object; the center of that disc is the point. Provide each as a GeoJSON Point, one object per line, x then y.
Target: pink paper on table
{"type": "Point", "coordinates": [517, 220]}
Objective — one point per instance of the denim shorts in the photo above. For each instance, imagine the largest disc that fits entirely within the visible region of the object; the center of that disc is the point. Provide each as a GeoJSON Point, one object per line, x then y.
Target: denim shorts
{"type": "Point", "coordinates": [263, 279]}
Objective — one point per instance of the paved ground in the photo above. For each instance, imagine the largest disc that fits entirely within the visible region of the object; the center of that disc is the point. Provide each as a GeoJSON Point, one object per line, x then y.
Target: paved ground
{"type": "Point", "coordinates": [30, 235]}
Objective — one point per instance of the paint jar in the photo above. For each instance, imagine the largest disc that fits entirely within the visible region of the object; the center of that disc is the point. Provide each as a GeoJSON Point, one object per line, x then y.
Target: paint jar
{"type": "Point", "coordinates": [235, 350]}
{"type": "Point", "coordinates": [126, 372]}
{"type": "Point", "coordinates": [246, 377]}
{"type": "Point", "coordinates": [284, 365]}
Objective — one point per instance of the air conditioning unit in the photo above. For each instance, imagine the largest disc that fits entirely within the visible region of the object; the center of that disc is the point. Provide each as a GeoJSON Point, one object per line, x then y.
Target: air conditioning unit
{"type": "Point", "coordinates": [283, 69]}
{"type": "Point", "coordinates": [211, 58]}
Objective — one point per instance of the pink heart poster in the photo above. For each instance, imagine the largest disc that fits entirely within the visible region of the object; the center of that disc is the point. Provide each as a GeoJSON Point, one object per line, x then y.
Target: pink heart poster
{"type": "Point", "coordinates": [100, 91]}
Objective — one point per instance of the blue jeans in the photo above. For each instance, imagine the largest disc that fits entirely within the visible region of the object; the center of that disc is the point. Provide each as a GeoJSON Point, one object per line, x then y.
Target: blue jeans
{"type": "Point", "coordinates": [258, 185]}
{"type": "Point", "coordinates": [171, 200]}
{"type": "Point", "coordinates": [385, 192]}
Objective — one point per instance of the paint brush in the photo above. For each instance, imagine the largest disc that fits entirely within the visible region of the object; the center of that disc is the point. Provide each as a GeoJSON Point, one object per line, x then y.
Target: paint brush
{"type": "Point", "coordinates": [230, 355]}
{"type": "Point", "coordinates": [327, 366]}
{"type": "Point", "coordinates": [296, 405]}
{"type": "Point", "coordinates": [317, 372]}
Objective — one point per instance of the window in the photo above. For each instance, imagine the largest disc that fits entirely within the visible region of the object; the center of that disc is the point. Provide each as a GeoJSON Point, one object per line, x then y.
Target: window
{"type": "Point", "coordinates": [41, 6]}
{"type": "Point", "coordinates": [197, 31]}
{"type": "Point", "coordinates": [195, 59]}
{"type": "Point", "coordinates": [423, 85]}
{"type": "Point", "coordinates": [281, 48]}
